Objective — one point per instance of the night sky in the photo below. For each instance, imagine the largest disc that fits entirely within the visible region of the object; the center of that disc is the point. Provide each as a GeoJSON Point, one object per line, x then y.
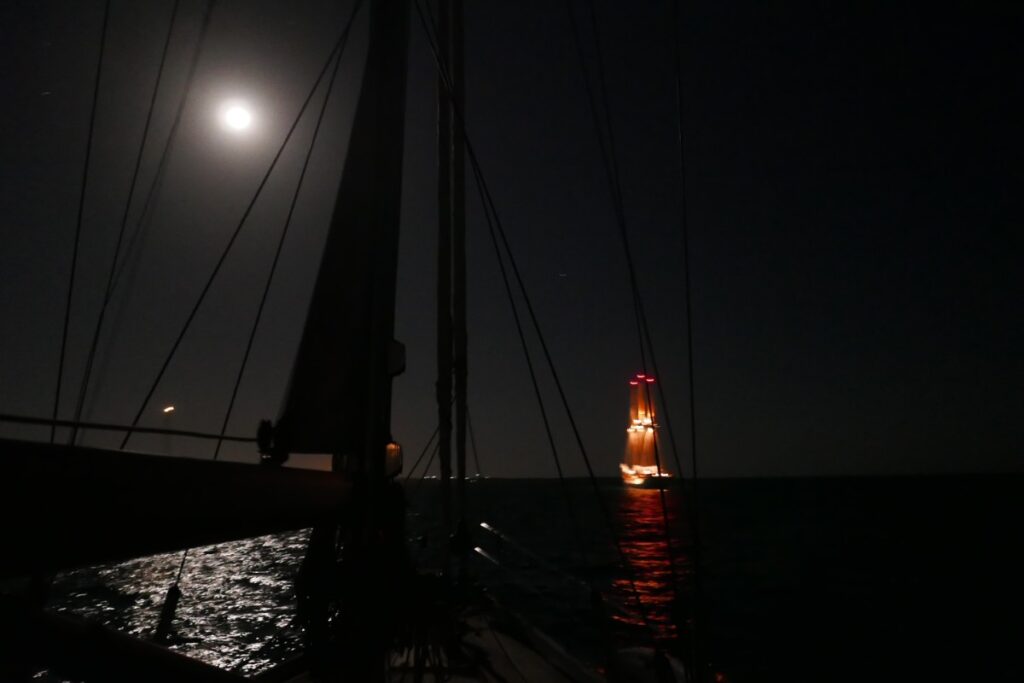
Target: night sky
{"type": "Point", "coordinates": [854, 188]}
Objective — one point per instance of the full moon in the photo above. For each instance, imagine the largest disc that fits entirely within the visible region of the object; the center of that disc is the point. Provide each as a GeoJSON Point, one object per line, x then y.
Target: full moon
{"type": "Point", "coordinates": [237, 117]}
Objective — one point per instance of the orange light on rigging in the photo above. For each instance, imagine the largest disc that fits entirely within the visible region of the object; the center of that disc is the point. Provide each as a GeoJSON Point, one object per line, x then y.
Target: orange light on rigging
{"type": "Point", "coordinates": [393, 459]}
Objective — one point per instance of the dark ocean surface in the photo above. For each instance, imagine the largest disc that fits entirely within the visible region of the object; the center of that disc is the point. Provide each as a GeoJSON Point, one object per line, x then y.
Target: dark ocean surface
{"type": "Point", "coordinates": [855, 579]}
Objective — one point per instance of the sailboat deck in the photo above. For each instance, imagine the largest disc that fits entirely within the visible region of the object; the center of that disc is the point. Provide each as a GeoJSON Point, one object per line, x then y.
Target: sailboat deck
{"type": "Point", "coordinates": [500, 658]}
{"type": "Point", "coordinates": [496, 657]}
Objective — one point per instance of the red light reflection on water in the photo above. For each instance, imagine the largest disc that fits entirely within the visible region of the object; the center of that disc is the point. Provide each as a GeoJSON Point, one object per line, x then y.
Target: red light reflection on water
{"type": "Point", "coordinates": [642, 536]}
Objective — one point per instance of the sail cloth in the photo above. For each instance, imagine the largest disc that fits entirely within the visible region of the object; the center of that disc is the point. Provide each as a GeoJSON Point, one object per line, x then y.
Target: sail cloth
{"type": "Point", "coordinates": [339, 396]}
{"type": "Point", "coordinates": [642, 430]}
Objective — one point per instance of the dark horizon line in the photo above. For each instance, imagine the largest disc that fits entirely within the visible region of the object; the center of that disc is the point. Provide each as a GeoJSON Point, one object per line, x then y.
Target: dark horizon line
{"type": "Point", "coordinates": [904, 475]}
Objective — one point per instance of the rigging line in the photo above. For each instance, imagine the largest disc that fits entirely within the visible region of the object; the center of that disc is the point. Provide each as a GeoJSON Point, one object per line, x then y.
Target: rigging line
{"type": "Point", "coordinates": [145, 215]}
{"type": "Point", "coordinates": [609, 161]}
{"type": "Point", "coordinates": [472, 442]}
{"type": "Point", "coordinates": [563, 484]}
{"type": "Point", "coordinates": [84, 387]}
{"type": "Point", "coordinates": [553, 568]}
{"type": "Point", "coordinates": [607, 148]}
{"type": "Point", "coordinates": [619, 607]}
{"type": "Point", "coordinates": [491, 215]}
{"type": "Point", "coordinates": [609, 129]}
{"type": "Point", "coordinates": [234, 235]}
{"type": "Point", "coordinates": [277, 252]}
{"type": "Point", "coordinates": [501, 646]}
{"type": "Point", "coordinates": [494, 223]}
{"type": "Point", "coordinates": [615, 188]}
{"type": "Point", "coordinates": [643, 330]}
{"type": "Point", "coordinates": [100, 426]}
{"type": "Point", "coordinates": [543, 563]}
{"type": "Point", "coordinates": [430, 461]}
{"type": "Point", "coordinates": [579, 441]}
{"type": "Point", "coordinates": [81, 211]}
{"type": "Point", "coordinates": [445, 321]}
{"type": "Point", "coordinates": [669, 549]}
{"type": "Point", "coordinates": [284, 231]}
{"type": "Point", "coordinates": [615, 185]}
{"type": "Point", "coordinates": [599, 122]}
{"type": "Point", "coordinates": [641, 317]}
{"type": "Point", "coordinates": [663, 396]}
{"type": "Point", "coordinates": [489, 205]}
{"type": "Point", "coordinates": [426, 447]}
{"type": "Point", "coordinates": [610, 164]}
{"type": "Point", "coordinates": [609, 158]}
{"type": "Point", "coordinates": [489, 202]}
{"type": "Point", "coordinates": [532, 371]}
{"type": "Point", "coordinates": [437, 432]}
{"type": "Point", "coordinates": [603, 127]}
{"type": "Point", "coordinates": [685, 229]}
{"type": "Point", "coordinates": [446, 82]}
{"type": "Point", "coordinates": [490, 212]}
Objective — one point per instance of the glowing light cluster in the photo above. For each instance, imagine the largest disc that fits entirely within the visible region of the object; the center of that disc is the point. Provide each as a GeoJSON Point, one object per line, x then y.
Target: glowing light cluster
{"type": "Point", "coordinates": [641, 441]}
{"type": "Point", "coordinates": [636, 475]}
{"type": "Point", "coordinates": [236, 116]}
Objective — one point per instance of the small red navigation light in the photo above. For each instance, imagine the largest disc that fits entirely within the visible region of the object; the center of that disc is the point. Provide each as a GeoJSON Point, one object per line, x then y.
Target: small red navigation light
{"type": "Point", "coordinates": [650, 380]}
{"type": "Point", "coordinates": [633, 382]}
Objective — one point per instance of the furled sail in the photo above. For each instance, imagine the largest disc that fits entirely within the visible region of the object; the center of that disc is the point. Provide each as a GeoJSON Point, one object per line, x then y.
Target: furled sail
{"type": "Point", "coordinates": [339, 396]}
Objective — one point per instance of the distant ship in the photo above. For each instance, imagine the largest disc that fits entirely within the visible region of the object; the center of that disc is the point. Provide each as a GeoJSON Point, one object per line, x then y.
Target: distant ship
{"type": "Point", "coordinates": [640, 467]}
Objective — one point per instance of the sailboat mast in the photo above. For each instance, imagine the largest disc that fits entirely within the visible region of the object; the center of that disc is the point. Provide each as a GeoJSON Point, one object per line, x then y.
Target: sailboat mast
{"type": "Point", "coordinates": [451, 267]}
{"type": "Point", "coordinates": [444, 276]}
{"type": "Point", "coordinates": [458, 199]}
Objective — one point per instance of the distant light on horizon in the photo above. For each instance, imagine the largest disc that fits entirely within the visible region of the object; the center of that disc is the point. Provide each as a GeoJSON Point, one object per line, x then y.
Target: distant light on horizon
{"type": "Point", "coordinates": [168, 409]}
{"type": "Point", "coordinates": [237, 116]}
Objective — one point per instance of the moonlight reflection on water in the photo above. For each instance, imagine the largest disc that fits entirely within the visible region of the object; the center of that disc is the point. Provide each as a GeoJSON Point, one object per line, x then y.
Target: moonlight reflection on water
{"type": "Point", "coordinates": [237, 609]}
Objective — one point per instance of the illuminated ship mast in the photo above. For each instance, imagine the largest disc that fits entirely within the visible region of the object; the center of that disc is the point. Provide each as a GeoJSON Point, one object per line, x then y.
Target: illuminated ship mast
{"type": "Point", "coordinates": [640, 467]}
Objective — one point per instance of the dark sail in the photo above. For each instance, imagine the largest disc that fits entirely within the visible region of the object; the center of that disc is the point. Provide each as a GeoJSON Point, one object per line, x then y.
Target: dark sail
{"type": "Point", "coordinates": [339, 396]}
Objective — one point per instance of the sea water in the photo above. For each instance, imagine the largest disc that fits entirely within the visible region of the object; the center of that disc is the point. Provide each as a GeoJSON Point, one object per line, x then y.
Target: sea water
{"type": "Point", "coordinates": [800, 579]}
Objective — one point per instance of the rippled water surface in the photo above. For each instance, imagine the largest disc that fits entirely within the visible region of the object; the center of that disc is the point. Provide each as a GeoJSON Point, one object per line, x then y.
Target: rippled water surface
{"type": "Point", "coordinates": [237, 604]}
{"type": "Point", "coordinates": [833, 579]}
{"type": "Point", "coordinates": [237, 609]}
